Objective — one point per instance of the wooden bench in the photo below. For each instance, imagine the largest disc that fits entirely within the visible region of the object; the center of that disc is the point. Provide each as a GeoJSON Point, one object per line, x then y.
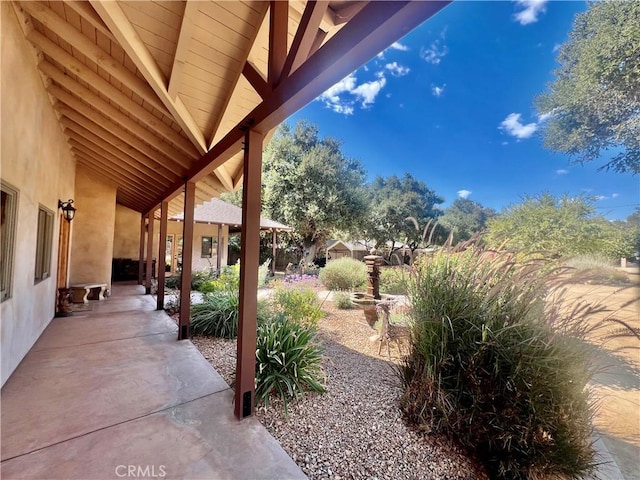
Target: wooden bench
{"type": "Point", "coordinates": [84, 292]}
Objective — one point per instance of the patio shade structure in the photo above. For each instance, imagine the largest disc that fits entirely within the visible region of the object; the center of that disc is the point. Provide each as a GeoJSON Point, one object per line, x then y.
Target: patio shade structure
{"type": "Point", "coordinates": [173, 101]}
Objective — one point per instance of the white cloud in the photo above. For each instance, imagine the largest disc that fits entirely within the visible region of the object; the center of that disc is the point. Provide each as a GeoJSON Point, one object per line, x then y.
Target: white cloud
{"type": "Point", "coordinates": [556, 47]}
{"type": "Point", "coordinates": [600, 197]}
{"type": "Point", "coordinates": [344, 95]}
{"type": "Point", "coordinates": [464, 193]}
{"type": "Point", "coordinates": [615, 195]}
{"type": "Point", "coordinates": [531, 9]}
{"type": "Point", "coordinates": [367, 92]}
{"type": "Point", "coordinates": [399, 46]}
{"type": "Point", "coordinates": [562, 171]}
{"type": "Point", "coordinates": [435, 52]}
{"type": "Point", "coordinates": [437, 91]}
{"type": "Point", "coordinates": [515, 128]}
{"type": "Point", "coordinates": [504, 143]}
{"type": "Point", "coordinates": [397, 70]}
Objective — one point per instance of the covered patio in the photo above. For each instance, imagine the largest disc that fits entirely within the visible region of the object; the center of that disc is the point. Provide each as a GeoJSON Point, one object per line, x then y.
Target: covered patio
{"type": "Point", "coordinates": [110, 389]}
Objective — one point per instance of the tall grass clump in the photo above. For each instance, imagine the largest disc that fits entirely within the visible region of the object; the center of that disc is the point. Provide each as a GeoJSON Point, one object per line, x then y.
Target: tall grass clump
{"type": "Point", "coordinates": [595, 268]}
{"type": "Point", "coordinates": [288, 360]}
{"type": "Point", "coordinates": [394, 280]}
{"type": "Point", "coordinates": [217, 315]}
{"type": "Point", "coordinates": [342, 300]}
{"type": "Point", "coordinates": [344, 274]}
{"type": "Point", "coordinates": [497, 367]}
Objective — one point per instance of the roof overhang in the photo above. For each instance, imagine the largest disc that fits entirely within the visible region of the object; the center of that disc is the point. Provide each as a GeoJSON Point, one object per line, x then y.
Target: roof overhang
{"type": "Point", "coordinates": [151, 95]}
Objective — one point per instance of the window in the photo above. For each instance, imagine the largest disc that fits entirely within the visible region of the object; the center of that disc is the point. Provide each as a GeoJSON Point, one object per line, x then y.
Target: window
{"type": "Point", "coordinates": [43, 245]}
{"type": "Point", "coordinates": [7, 237]}
{"type": "Point", "coordinates": [207, 247]}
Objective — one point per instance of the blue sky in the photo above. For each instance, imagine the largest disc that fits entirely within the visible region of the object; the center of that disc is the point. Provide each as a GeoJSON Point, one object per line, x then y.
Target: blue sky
{"type": "Point", "coordinates": [452, 103]}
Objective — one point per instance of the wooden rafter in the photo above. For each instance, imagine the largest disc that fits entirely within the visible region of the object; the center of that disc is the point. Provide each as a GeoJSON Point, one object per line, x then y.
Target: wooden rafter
{"type": "Point", "coordinates": [278, 30]}
{"type": "Point", "coordinates": [89, 14]}
{"type": "Point", "coordinates": [256, 80]}
{"type": "Point", "coordinates": [85, 115]}
{"type": "Point", "coordinates": [93, 52]}
{"type": "Point", "coordinates": [114, 115]}
{"type": "Point", "coordinates": [184, 40]}
{"type": "Point", "coordinates": [373, 29]}
{"type": "Point", "coordinates": [113, 16]}
{"type": "Point", "coordinates": [305, 35]}
{"type": "Point", "coordinates": [104, 87]}
{"type": "Point", "coordinates": [92, 140]}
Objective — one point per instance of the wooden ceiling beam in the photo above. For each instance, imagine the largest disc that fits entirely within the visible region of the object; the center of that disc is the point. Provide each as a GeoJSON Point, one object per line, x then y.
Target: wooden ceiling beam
{"type": "Point", "coordinates": [225, 179]}
{"type": "Point", "coordinates": [93, 52]}
{"type": "Point", "coordinates": [145, 178]}
{"type": "Point", "coordinates": [83, 99]}
{"type": "Point", "coordinates": [85, 10]}
{"type": "Point", "coordinates": [118, 135]}
{"type": "Point", "coordinates": [113, 16]}
{"type": "Point", "coordinates": [243, 63]}
{"type": "Point", "coordinates": [98, 170]}
{"type": "Point", "coordinates": [305, 36]}
{"type": "Point", "coordinates": [94, 136]}
{"type": "Point", "coordinates": [256, 80]}
{"type": "Point", "coordinates": [182, 49]}
{"type": "Point", "coordinates": [278, 33]}
{"type": "Point", "coordinates": [103, 86]}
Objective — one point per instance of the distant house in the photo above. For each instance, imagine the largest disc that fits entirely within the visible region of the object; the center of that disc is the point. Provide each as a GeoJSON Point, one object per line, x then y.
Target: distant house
{"type": "Point", "coordinates": [339, 248]}
{"type": "Point", "coordinates": [215, 220]}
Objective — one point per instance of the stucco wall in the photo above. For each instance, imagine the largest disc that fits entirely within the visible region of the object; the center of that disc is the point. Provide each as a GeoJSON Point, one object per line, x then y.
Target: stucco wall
{"type": "Point", "coordinates": [126, 239]}
{"type": "Point", "coordinates": [93, 229]}
{"type": "Point", "coordinates": [35, 159]}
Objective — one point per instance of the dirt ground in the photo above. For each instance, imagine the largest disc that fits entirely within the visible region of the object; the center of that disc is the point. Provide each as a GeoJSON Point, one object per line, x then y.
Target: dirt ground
{"type": "Point", "coordinates": [617, 385]}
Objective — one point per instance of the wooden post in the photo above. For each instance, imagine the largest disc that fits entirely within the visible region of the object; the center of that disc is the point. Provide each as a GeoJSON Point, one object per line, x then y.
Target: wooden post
{"type": "Point", "coordinates": [219, 249]}
{"type": "Point", "coordinates": [274, 239]}
{"type": "Point", "coordinates": [143, 224]}
{"type": "Point", "coordinates": [187, 260]}
{"type": "Point", "coordinates": [249, 263]}
{"type": "Point", "coordinates": [147, 283]}
{"type": "Point", "coordinates": [162, 253]}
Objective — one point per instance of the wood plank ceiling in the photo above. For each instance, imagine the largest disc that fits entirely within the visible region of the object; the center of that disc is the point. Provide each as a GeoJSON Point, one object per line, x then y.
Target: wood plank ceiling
{"type": "Point", "coordinates": [151, 93]}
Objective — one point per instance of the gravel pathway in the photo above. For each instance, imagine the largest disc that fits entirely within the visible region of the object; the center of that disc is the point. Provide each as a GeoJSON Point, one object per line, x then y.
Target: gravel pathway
{"type": "Point", "coordinates": [355, 429]}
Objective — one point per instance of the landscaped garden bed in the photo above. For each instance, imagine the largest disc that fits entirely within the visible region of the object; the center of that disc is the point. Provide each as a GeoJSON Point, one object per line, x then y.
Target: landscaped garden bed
{"type": "Point", "coordinates": [355, 429]}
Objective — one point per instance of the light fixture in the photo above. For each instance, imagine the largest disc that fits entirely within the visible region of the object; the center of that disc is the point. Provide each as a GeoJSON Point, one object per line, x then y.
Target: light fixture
{"type": "Point", "coordinates": [67, 209]}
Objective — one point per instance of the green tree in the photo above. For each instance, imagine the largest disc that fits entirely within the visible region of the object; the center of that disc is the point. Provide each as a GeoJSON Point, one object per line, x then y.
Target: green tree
{"type": "Point", "coordinates": [311, 186]}
{"type": "Point", "coordinates": [566, 226]}
{"type": "Point", "coordinates": [464, 218]}
{"type": "Point", "coordinates": [393, 201]}
{"type": "Point", "coordinates": [594, 101]}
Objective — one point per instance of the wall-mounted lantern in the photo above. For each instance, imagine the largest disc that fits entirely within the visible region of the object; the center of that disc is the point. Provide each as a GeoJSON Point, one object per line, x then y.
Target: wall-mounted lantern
{"type": "Point", "coordinates": [67, 209]}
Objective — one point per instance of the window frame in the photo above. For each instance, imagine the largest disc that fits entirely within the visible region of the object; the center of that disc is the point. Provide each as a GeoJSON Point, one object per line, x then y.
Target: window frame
{"type": "Point", "coordinates": [202, 245]}
{"type": "Point", "coordinates": [8, 236]}
{"type": "Point", "coordinates": [44, 244]}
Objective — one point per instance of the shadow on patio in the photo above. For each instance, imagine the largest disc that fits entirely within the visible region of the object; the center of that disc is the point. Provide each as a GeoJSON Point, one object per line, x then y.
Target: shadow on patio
{"type": "Point", "coordinates": [110, 392]}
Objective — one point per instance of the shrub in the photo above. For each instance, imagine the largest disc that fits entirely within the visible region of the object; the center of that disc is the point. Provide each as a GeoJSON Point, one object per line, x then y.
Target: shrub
{"type": "Point", "coordinates": [288, 360]}
{"type": "Point", "coordinates": [594, 268]}
{"type": "Point", "coordinates": [342, 300]}
{"type": "Point", "coordinates": [172, 282]}
{"type": "Point", "coordinates": [217, 315]}
{"type": "Point", "coordinates": [297, 299]}
{"type": "Point", "coordinates": [494, 368]}
{"type": "Point", "coordinates": [197, 280]}
{"type": "Point", "coordinates": [393, 281]}
{"type": "Point", "coordinates": [344, 274]}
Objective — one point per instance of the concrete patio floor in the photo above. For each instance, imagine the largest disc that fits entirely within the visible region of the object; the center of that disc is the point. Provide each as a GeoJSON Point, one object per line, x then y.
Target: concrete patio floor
{"type": "Point", "coordinates": [110, 393]}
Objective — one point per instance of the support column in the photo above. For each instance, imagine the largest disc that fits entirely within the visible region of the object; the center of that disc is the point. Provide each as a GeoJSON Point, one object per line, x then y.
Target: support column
{"type": "Point", "coordinates": [143, 224]}
{"type": "Point", "coordinates": [149, 272]}
{"type": "Point", "coordinates": [162, 253]}
{"type": "Point", "coordinates": [219, 249]}
{"type": "Point", "coordinates": [187, 261]}
{"type": "Point", "coordinates": [274, 238]}
{"type": "Point", "coordinates": [249, 263]}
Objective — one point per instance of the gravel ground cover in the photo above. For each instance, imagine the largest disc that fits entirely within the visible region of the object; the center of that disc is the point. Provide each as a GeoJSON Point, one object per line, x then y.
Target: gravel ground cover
{"type": "Point", "coordinates": [355, 429]}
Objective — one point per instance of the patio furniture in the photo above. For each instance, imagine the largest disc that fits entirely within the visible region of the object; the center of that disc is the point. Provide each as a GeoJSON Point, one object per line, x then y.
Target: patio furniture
{"type": "Point", "coordinates": [82, 293]}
